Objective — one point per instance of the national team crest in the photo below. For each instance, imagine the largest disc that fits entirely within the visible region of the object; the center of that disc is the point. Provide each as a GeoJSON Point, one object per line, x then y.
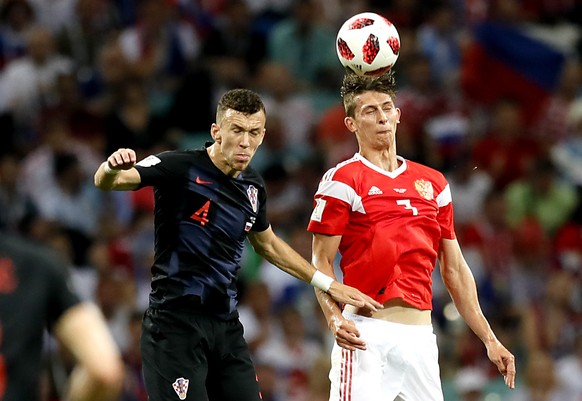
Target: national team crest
{"type": "Point", "coordinates": [181, 387]}
{"type": "Point", "coordinates": [252, 193]}
{"type": "Point", "coordinates": [425, 189]}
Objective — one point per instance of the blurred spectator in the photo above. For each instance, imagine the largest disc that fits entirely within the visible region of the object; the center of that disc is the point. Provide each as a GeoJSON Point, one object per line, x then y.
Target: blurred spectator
{"type": "Point", "coordinates": [292, 355]}
{"type": "Point", "coordinates": [470, 384]}
{"type": "Point", "coordinates": [488, 248]}
{"type": "Point", "coordinates": [283, 101]}
{"type": "Point", "coordinates": [319, 384]}
{"type": "Point", "coordinates": [131, 122]}
{"type": "Point", "coordinates": [439, 39]}
{"type": "Point", "coordinates": [267, 377]}
{"type": "Point", "coordinates": [506, 151]}
{"type": "Point", "coordinates": [255, 314]}
{"type": "Point", "coordinates": [16, 16]}
{"type": "Point", "coordinates": [422, 98]}
{"type": "Point", "coordinates": [567, 153]}
{"type": "Point", "coordinates": [73, 203]}
{"type": "Point", "coordinates": [29, 83]}
{"type": "Point", "coordinates": [112, 70]}
{"type": "Point", "coordinates": [159, 47]}
{"type": "Point", "coordinates": [568, 241]}
{"type": "Point", "coordinates": [115, 296]}
{"type": "Point", "coordinates": [541, 196]}
{"type": "Point", "coordinates": [15, 205]}
{"type": "Point", "coordinates": [83, 36]}
{"type": "Point", "coordinates": [333, 138]}
{"type": "Point", "coordinates": [549, 325]}
{"type": "Point", "coordinates": [55, 14]}
{"type": "Point", "coordinates": [532, 265]}
{"type": "Point", "coordinates": [38, 174]}
{"type": "Point", "coordinates": [540, 382]}
{"type": "Point", "coordinates": [569, 372]}
{"type": "Point", "coordinates": [554, 124]}
{"type": "Point", "coordinates": [133, 387]}
{"type": "Point", "coordinates": [234, 35]}
{"type": "Point", "coordinates": [71, 108]}
{"type": "Point", "coordinates": [469, 186]}
{"type": "Point", "coordinates": [304, 44]}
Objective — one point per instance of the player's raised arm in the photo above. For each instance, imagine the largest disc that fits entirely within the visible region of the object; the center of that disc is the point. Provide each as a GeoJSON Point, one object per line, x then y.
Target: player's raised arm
{"type": "Point", "coordinates": [280, 254]}
{"type": "Point", "coordinates": [117, 172]}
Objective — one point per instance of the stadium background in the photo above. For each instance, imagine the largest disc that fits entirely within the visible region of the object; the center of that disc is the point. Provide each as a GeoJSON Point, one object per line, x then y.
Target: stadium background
{"type": "Point", "coordinates": [491, 95]}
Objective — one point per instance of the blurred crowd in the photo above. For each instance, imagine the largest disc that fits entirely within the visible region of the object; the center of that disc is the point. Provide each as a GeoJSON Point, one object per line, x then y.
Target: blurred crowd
{"type": "Point", "coordinates": [82, 78]}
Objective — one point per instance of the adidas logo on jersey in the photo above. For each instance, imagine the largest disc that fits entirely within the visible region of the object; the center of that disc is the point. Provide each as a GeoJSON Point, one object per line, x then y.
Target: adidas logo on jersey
{"type": "Point", "coordinates": [375, 191]}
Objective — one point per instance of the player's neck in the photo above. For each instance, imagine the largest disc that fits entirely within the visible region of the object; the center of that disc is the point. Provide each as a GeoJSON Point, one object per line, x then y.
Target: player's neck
{"type": "Point", "coordinates": [385, 159]}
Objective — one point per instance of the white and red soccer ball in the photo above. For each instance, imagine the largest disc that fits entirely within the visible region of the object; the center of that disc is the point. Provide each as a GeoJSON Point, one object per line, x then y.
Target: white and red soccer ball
{"type": "Point", "coordinates": [368, 44]}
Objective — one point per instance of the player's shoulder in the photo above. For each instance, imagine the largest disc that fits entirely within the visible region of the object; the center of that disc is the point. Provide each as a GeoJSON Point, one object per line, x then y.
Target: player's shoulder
{"type": "Point", "coordinates": [343, 171]}
{"type": "Point", "coordinates": [186, 155]}
{"type": "Point", "coordinates": [34, 255]}
{"type": "Point", "coordinates": [253, 176]}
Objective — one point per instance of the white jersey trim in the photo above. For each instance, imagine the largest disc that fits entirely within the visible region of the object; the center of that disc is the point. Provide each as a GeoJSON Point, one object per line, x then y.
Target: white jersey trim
{"type": "Point", "coordinates": [445, 197]}
{"type": "Point", "coordinates": [392, 174]}
{"type": "Point", "coordinates": [343, 192]}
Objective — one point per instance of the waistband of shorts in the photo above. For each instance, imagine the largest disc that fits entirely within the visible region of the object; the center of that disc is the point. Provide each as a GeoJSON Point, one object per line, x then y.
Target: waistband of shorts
{"type": "Point", "coordinates": [408, 328]}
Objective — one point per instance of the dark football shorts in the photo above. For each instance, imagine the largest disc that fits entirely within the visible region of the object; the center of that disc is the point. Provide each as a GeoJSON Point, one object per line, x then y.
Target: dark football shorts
{"type": "Point", "coordinates": [191, 356]}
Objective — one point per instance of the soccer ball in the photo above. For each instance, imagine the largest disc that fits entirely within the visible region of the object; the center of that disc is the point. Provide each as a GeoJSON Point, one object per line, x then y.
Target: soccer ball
{"type": "Point", "coordinates": [368, 44]}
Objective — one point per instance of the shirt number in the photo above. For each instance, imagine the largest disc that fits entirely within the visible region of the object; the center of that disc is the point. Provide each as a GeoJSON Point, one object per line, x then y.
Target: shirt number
{"type": "Point", "coordinates": [201, 215]}
{"type": "Point", "coordinates": [407, 205]}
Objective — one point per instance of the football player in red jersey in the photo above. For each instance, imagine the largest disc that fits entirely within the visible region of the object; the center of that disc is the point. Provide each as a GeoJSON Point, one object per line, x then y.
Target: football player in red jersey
{"type": "Point", "coordinates": [390, 219]}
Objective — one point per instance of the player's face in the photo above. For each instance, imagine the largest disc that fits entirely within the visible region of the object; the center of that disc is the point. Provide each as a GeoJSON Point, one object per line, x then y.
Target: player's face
{"type": "Point", "coordinates": [375, 120]}
{"type": "Point", "coordinates": [238, 137]}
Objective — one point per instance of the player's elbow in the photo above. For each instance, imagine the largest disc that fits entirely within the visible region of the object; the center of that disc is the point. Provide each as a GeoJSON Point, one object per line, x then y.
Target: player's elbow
{"type": "Point", "coordinates": [109, 375]}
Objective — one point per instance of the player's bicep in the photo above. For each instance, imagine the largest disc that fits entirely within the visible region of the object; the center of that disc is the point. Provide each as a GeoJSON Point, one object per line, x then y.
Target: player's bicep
{"type": "Point", "coordinates": [324, 250]}
{"type": "Point", "coordinates": [452, 263]}
{"type": "Point", "coordinates": [262, 240]}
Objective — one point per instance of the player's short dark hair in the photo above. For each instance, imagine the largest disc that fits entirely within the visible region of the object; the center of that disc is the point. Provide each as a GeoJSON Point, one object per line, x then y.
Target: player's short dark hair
{"type": "Point", "coordinates": [244, 101]}
{"type": "Point", "coordinates": [354, 85]}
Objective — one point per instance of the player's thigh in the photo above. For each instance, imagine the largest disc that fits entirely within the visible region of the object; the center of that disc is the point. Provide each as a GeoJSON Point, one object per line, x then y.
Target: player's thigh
{"type": "Point", "coordinates": [358, 376]}
{"type": "Point", "coordinates": [232, 375]}
{"type": "Point", "coordinates": [423, 380]}
{"type": "Point", "coordinates": [175, 363]}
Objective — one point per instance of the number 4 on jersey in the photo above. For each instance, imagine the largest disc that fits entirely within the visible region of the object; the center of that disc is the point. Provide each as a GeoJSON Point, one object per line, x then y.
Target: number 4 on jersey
{"type": "Point", "coordinates": [201, 215]}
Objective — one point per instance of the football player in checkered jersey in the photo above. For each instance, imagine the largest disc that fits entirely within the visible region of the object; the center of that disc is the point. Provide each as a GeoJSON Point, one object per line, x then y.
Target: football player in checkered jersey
{"type": "Point", "coordinates": [208, 201]}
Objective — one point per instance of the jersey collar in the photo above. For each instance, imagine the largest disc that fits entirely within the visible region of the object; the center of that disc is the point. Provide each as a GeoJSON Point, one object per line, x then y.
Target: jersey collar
{"type": "Point", "coordinates": [392, 174]}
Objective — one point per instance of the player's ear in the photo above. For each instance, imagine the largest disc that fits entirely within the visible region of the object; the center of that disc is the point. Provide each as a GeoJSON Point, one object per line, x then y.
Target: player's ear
{"type": "Point", "coordinates": [350, 124]}
{"type": "Point", "coordinates": [215, 132]}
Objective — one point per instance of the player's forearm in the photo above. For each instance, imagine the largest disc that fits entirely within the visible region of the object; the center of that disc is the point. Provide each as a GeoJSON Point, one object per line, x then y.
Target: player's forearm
{"type": "Point", "coordinates": [461, 286]}
{"type": "Point", "coordinates": [86, 387]}
{"type": "Point", "coordinates": [100, 371]}
{"type": "Point", "coordinates": [104, 180]}
{"type": "Point", "coordinates": [119, 180]}
{"type": "Point", "coordinates": [280, 254]}
{"type": "Point", "coordinates": [330, 309]}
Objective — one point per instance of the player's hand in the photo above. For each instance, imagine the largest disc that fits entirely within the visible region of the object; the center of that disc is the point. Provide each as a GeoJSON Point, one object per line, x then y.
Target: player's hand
{"type": "Point", "coordinates": [351, 296]}
{"type": "Point", "coordinates": [122, 159]}
{"type": "Point", "coordinates": [504, 360]}
{"type": "Point", "coordinates": [346, 333]}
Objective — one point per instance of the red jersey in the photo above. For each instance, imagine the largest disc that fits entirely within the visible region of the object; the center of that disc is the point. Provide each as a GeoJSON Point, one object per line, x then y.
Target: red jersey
{"type": "Point", "coordinates": [391, 224]}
